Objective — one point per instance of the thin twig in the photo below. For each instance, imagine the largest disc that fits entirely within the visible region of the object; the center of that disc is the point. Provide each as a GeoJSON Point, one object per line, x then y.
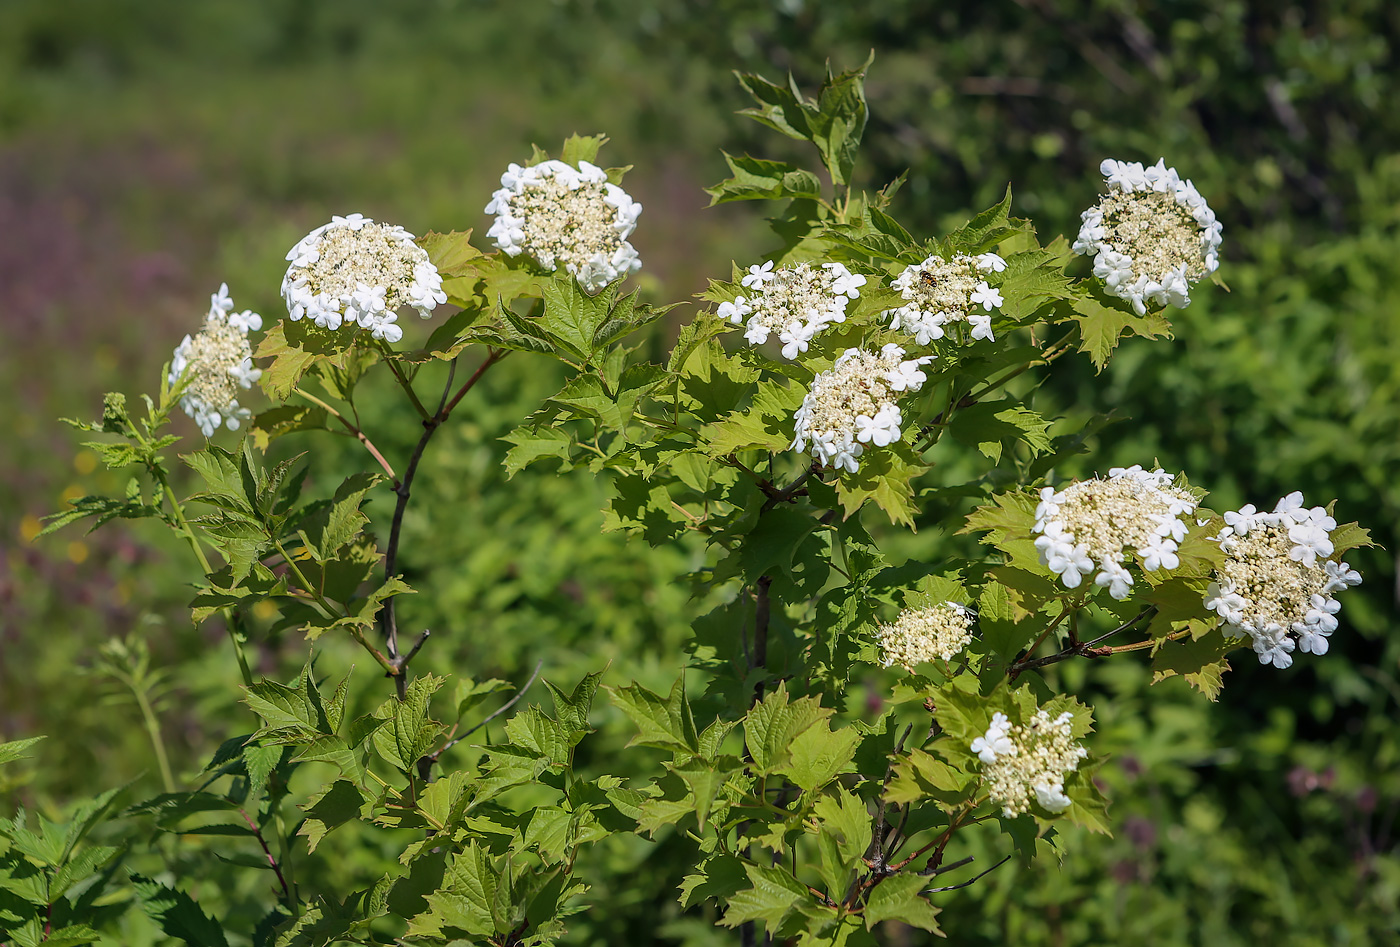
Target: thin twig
{"type": "Point", "coordinates": [762, 607]}
{"type": "Point", "coordinates": [776, 496]}
{"type": "Point", "coordinates": [494, 714]}
{"type": "Point", "coordinates": [1087, 648]}
{"type": "Point", "coordinates": [970, 880]}
{"type": "Point", "coordinates": [942, 869]}
{"type": "Point", "coordinates": [276, 868]}
{"type": "Point", "coordinates": [387, 616]}
{"type": "Point", "coordinates": [354, 430]}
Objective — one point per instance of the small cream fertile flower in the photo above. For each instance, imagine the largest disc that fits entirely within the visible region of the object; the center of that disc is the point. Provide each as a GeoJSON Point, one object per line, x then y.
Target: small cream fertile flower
{"type": "Point", "coordinates": [852, 404]}
{"type": "Point", "coordinates": [1100, 521]}
{"type": "Point", "coordinates": [919, 635]}
{"type": "Point", "coordinates": [357, 273]}
{"type": "Point", "coordinates": [1151, 235]}
{"type": "Point", "coordinates": [216, 363]}
{"type": "Point", "coordinates": [794, 302]}
{"type": "Point", "coordinates": [562, 215]}
{"type": "Point", "coordinates": [1276, 583]}
{"type": "Point", "coordinates": [1021, 764]}
{"type": "Point", "coordinates": [941, 292]}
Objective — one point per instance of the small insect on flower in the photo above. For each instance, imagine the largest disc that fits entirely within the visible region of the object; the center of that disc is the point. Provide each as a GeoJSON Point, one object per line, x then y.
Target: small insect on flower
{"type": "Point", "coordinates": [941, 293]}
{"type": "Point", "coordinates": [215, 363]}
{"type": "Point", "coordinates": [356, 273]}
{"type": "Point", "coordinates": [1151, 235]}
{"type": "Point", "coordinates": [568, 216]}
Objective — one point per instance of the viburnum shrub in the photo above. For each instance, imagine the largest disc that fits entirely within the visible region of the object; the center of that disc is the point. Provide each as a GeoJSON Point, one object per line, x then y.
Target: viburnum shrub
{"type": "Point", "coordinates": [803, 417]}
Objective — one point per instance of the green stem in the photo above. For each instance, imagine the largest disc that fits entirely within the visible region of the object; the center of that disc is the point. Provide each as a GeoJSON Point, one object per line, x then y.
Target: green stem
{"type": "Point", "coordinates": [404, 383]}
{"type": "Point", "coordinates": [321, 601]}
{"type": "Point", "coordinates": [288, 875]}
{"type": "Point", "coordinates": [229, 624]}
{"type": "Point", "coordinates": [157, 741]}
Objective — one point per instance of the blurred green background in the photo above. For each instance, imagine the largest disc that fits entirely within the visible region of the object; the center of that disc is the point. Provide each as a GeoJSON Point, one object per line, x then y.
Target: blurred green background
{"type": "Point", "coordinates": [150, 149]}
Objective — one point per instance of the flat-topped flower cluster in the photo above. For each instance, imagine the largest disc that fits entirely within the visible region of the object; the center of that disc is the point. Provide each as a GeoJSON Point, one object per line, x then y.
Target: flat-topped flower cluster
{"type": "Point", "coordinates": [1151, 235]}
{"type": "Point", "coordinates": [1094, 525]}
{"type": "Point", "coordinates": [568, 216]}
{"type": "Point", "coordinates": [1021, 764]}
{"type": "Point", "coordinates": [853, 404]}
{"type": "Point", "coordinates": [358, 273]}
{"type": "Point", "coordinates": [941, 292]}
{"type": "Point", "coordinates": [919, 635]}
{"type": "Point", "coordinates": [215, 364]}
{"type": "Point", "coordinates": [796, 301]}
{"type": "Point", "coordinates": [1277, 582]}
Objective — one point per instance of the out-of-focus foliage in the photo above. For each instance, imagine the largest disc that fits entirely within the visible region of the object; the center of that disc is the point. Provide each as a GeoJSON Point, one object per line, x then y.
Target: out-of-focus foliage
{"type": "Point", "coordinates": [225, 128]}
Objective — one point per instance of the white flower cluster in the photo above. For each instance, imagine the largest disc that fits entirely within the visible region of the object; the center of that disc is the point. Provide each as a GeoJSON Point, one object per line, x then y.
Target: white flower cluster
{"type": "Point", "coordinates": [1021, 763]}
{"type": "Point", "coordinates": [216, 363]}
{"type": "Point", "coordinates": [1277, 582]}
{"type": "Point", "coordinates": [559, 214]}
{"type": "Point", "coordinates": [919, 635]}
{"type": "Point", "coordinates": [355, 272]}
{"type": "Point", "coordinates": [1099, 520]}
{"type": "Point", "coordinates": [852, 404]}
{"type": "Point", "coordinates": [796, 301]}
{"type": "Point", "coordinates": [1151, 235]}
{"type": "Point", "coordinates": [942, 291]}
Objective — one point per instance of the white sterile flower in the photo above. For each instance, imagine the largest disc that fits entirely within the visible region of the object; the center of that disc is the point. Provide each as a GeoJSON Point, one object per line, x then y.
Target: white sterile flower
{"type": "Point", "coordinates": [794, 339]}
{"type": "Point", "coordinates": [356, 273]}
{"type": "Point", "coordinates": [1026, 763]}
{"type": "Point", "coordinates": [796, 301]}
{"type": "Point", "coordinates": [853, 404]}
{"type": "Point", "coordinates": [986, 297]}
{"type": "Point", "coordinates": [920, 635]}
{"type": "Point", "coordinates": [881, 430]}
{"type": "Point", "coordinates": [991, 263]}
{"type": "Point", "coordinates": [941, 292]}
{"type": "Point", "coordinates": [1102, 520]}
{"type": "Point", "coordinates": [1275, 583]}
{"type": "Point", "coordinates": [1311, 541]}
{"type": "Point", "coordinates": [759, 275]}
{"type": "Point", "coordinates": [568, 216]}
{"type": "Point", "coordinates": [1151, 235]}
{"type": "Point", "coordinates": [1113, 575]}
{"type": "Point", "coordinates": [215, 364]}
{"type": "Point", "coordinates": [734, 311]}
{"type": "Point", "coordinates": [1339, 576]}
{"type": "Point", "coordinates": [220, 303]}
{"type": "Point", "coordinates": [1159, 554]}
{"type": "Point", "coordinates": [995, 742]}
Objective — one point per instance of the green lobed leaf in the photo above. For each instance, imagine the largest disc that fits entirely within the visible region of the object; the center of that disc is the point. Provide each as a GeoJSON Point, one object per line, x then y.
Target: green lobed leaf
{"type": "Point", "coordinates": [177, 914]}
{"type": "Point", "coordinates": [761, 179]}
{"type": "Point", "coordinates": [900, 898]}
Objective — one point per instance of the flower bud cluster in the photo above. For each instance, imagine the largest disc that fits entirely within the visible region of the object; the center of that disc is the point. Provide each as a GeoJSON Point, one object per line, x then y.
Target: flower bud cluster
{"type": "Point", "coordinates": [1092, 524]}
{"type": "Point", "coordinates": [1030, 762]}
{"type": "Point", "coordinates": [852, 404]}
{"type": "Point", "coordinates": [566, 216]}
{"type": "Point", "coordinates": [357, 273]}
{"type": "Point", "coordinates": [1151, 235]}
{"type": "Point", "coordinates": [940, 292]}
{"type": "Point", "coordinates": [215, 364]}
{"type": "Point", "coordinates": [795, 301]}
{"type": "Point", "coordinates": [1277, 583]}
{"type": "Point", "coordinates": [919, 635]}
